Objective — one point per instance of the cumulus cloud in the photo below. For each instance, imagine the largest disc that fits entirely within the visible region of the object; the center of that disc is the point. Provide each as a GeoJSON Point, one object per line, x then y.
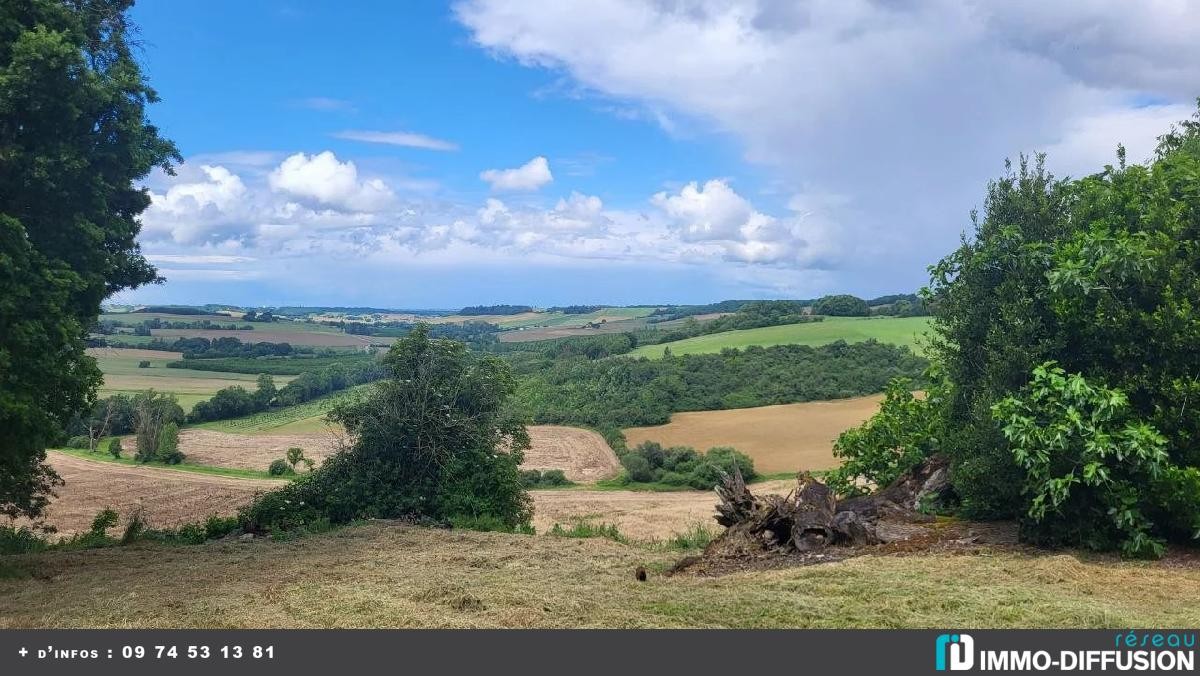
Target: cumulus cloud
{"type": "Point", "coordinates": [714, 214]}
{"type": "Point", "coordinates": [397, 138]}
{"type": "Point", "coordinates": [905, 109]}
{"type": "Point", "coordinates": [529, 176]}
{"type": "Point", "coordinates": [329, 182]}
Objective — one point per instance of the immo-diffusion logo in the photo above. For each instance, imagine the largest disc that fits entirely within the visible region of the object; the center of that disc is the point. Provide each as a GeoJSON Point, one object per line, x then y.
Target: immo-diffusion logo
{"type": "Point", "coordinates": [1131, 651]}
{"type": "Point", "coordinates": [955, 651]}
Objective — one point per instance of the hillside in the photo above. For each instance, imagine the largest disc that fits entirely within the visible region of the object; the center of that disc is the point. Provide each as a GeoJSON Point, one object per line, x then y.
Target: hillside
{"type": "Point", "coordinates": [894, 330]}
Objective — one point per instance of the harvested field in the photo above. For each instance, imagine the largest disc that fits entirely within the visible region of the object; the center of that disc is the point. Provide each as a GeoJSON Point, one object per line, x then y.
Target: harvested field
{"type": "Point", "coordinates": [581, 454]}
{"type": "Point", "coordinates": [784, 438]}
{"type": "Point", "coordinates": [640, 515]}
{"type": "Point", "coordinates": [169, 497]}
{"type": "Point", "coordinates": [295, 337]}
{"type": "Point", "coordinates": [385, 574]}
{"type": "Point", "coordinates": [244, 451]}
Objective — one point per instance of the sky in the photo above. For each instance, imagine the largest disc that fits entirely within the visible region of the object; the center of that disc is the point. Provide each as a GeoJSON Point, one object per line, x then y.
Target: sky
{"type": "Point", "coordinates": [430, 155]}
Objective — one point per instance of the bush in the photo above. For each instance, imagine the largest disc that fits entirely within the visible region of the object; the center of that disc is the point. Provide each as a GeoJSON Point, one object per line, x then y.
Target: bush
{"type": "Point", "coordinates": [143, 364]}
{"type": "Point", "coordinates": [555, 477]}
{"type": "Point", "coordinates": [1087, 460]}
{"type": "Point", "coordinates": [433, 440]}
{"type": "Point", "coordinates": [551, 478]}
{"type": "Point", "coordinates": [79, 442]}
{"type": "Point", "coordinates": [168, 445]}
{"type": "Point", "coordinates": [280, 467]}
{"type": "Point", "coordinates": [683, 466]}
{"type": "Point", "coordinates": [104, 520]}
{"type": "Point", "coordinates": [114, 448]}
{"type": "Point", "coordinates": [905, 431]}
{"type": "Point", "coordinates": [21, 540]}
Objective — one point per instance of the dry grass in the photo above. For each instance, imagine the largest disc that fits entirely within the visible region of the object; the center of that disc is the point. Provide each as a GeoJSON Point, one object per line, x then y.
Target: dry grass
{"type": "Point", "coordinates": [168, 497]}
{"type": "Point", "coordinates": [581, 454]}
{"type": "Point", "coordinates": [245, 451]}
{"type": "Point", "coordinates": [784, 438]}
{"type": "Point", "coordinates": [640, 515]}
{"type": "Point", "coordinates": [388, 575]}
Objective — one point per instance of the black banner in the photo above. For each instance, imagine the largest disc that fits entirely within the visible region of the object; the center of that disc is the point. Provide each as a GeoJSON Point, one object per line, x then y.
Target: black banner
{"type": "Point", "coordinates": [761, 653]}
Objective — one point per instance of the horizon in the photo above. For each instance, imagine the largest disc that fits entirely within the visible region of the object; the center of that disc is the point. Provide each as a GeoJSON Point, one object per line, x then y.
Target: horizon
{"type": "Point", "coordinates": [444, 155]}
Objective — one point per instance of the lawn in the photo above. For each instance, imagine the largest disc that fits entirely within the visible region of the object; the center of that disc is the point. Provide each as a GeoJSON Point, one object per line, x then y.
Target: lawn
{"type": "Point", "coordinates": [894, 330]}
{"type": "Point", "coordinates": [388, 575]}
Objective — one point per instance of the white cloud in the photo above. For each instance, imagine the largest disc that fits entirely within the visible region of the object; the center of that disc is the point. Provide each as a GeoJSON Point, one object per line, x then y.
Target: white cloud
{"type": "Point", "coordinates": [329, 182]}
{"type": "Point", "coordinates": [397, 138]}
{"type": "Point", "coordinates": [529, 176]}
{"type": "Point", "coordinates": [198, 259]}
{"type": "Point", "coordinates": [904, 109]}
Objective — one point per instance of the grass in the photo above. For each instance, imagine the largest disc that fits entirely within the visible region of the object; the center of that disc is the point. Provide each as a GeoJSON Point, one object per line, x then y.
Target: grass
{"type": "Point", "coordinates": [102, 455]}
{"type": "Point", "coordinates": [123, 375]}
{"type": "Point", "coordinates": [619, 483]}
{"type": "Point", "coordinates": [550, 319]}
{"type": "Point", "coordinates": [384, 574]}
{"type": "Point", "coordinates": [894, 330]}
{"type": "Point", "coordinates": [587, 529]}
{"type": "Point", "coordinates": [306, 417]}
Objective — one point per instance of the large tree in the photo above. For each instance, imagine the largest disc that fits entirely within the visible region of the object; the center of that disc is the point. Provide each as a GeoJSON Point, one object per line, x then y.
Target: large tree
{"type": "Point", "coordinates": [74, 138]}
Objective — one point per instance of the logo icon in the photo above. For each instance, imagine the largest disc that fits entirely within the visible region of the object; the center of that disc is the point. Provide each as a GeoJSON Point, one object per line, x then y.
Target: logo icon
{"type": "Point", "coordinates": [960, 648]}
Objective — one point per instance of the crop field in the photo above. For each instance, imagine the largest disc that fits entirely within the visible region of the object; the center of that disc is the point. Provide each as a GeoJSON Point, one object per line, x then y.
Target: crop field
{"type": "Point", "coordinates": [135, 318]}
{"type": "Point", "coordinates": [313, 335]}
{"type": "Point", "coordinates": [784, 438]}
{"type": "Point", "coordinates": [894, 330]}
{"type": "Point", "coordinates": [122, 375]}
{"type": "Point", "coordinates": [253, 452]}
{"type": "Point", "coordinates": [583, 455]}
{"type": "Point", "coordinates": [167, 497]}
{"type": "Point", "coordinates": [385, 574]}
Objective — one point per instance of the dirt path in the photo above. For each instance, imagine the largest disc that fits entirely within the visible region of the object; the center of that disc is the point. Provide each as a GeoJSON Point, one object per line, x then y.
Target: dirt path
{"type": "Point", "coordinates": [168, 497]}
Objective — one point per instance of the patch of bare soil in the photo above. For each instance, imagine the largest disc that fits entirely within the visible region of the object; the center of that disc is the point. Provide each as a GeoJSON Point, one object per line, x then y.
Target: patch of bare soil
{"type": "Point", "coordinates": [581, 454]}
{"type": "Point", "coordinates": [167, 497]}
{"type": "Point", "coordinates": [246, 451]}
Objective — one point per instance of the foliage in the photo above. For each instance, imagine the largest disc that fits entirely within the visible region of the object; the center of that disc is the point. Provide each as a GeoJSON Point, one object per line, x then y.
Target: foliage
{"type": "Point", "coordinates": [291, 365]}
{"type": "Point", "coordinates": [476, 310]}
{"type": "Point", "coordinates": [236, 401]}
{"type": "Point", "coordinates": [168, 445]}
{"type": "Point", "coordinates": [104, 520]}
{"type": "Point", "coordinates": [697, 536]}
{"type": "Point", "coordinates": [280, 467]}
{"type": "Point", "coordinates": [23, 540]}
{"type": "Point", "coordinates": [842, 305]}
{"type": "Point", "coordinates": [74, 139]}
{"type": "Point", "coordinates": [154, 412]}
{"type": "Point", "coordinates": [114, 447]}
{"type": "Point", "coordinates": [550, 478]}
{"type": "Point", "coordinates": [430, 441]}
{"type": "Point", "coordinates": [78, 442]}
{"type": "Point", "coordinates": [905, 431]}
{"type": "Point", "coordinates": [1087, 462]}
{"type": "Point", "coordinates": [612, 394]}
{"type": "Point", "coordinates": [682, 466]}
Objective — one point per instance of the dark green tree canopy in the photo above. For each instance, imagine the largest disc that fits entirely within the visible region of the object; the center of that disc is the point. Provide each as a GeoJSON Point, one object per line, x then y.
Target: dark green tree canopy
{"type": "Point", "coordinates": [74, 138]}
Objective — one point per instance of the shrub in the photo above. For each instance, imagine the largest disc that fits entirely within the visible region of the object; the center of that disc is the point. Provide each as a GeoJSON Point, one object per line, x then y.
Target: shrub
{"type": "Point", "coordinates": [79, 442]}
{"type": "Point", "coordinates": [114, 448]}
{"type": "Point", "coordinates": [682, 466]}
{"type": "Point", "coordinates": [531, 478]}
{"type": "Point", "coordinates": [697, 536]}
{"type": "Point", "coordinates": [134, 528]}
{"type": "Point", "coordinates": [168, 445]}
{"type": "Point", "coordinates": [905, 431]}
{"type": "Point", "coordinates": [433, 440]}
{"type": "Point", "coordinates": [143, 364]}
{"type": "Point", "coordinates": [1087, 463]}
{"type": "Point", "coordinates": [280, 467]}
{"type": "Point", "coordinates": [551, 478]}
{"type": "Point", "coordinates": [21, 540]}
{"type": "Point", "coordinates": [554, 477]}
{"type": "Point", "coordinates": [104, 520]}
{"type": "Point", "coordinates": [219, 526]}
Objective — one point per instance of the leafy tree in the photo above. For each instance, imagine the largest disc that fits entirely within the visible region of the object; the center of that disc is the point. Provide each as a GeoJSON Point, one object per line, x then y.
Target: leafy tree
{"type": "Point", "coordinates": [280, 467]}
{"type": "Point", "coordinates": [154, 411]}
{"type": "Point", "coordinates": [431, 441]}
{"type": "Point", "coordinates": [73, 140]}
{"type": "Point", "coordinates": [168, 445]}
{"type": "Point", "coordinates": [842, 305]}
{"type": "Point", "coordinates": [114, 448]}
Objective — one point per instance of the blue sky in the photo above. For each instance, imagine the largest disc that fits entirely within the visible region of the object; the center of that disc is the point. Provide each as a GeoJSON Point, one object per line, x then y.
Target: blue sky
{"type": "Point", "coordinates": [436, 155]}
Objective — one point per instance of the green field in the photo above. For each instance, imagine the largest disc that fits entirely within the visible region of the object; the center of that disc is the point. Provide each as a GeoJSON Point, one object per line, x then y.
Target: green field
{"type": "Point", "coordinates": [550, 319]}
{"type": "Point", "coordinates": [298, 419]}
{"type": "Point", "coordinates": [122, 375]}
{"type": "Point", "coordinates": [894, 330]}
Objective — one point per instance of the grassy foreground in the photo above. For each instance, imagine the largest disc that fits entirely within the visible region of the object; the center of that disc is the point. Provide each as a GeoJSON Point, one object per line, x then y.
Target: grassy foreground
{"type": "Point", "coordinates": [894, 330]}
{"type": "Point", "coordinates": [385, 575]}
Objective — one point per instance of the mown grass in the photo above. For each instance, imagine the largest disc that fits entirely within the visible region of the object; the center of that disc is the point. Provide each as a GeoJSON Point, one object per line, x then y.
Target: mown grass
{"type": "Point", "coordinates": [100, 455]}
{"type": "Point", "coordinates": [388, 575]}
{"type": "Point", "coordinates": [894, 330]}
